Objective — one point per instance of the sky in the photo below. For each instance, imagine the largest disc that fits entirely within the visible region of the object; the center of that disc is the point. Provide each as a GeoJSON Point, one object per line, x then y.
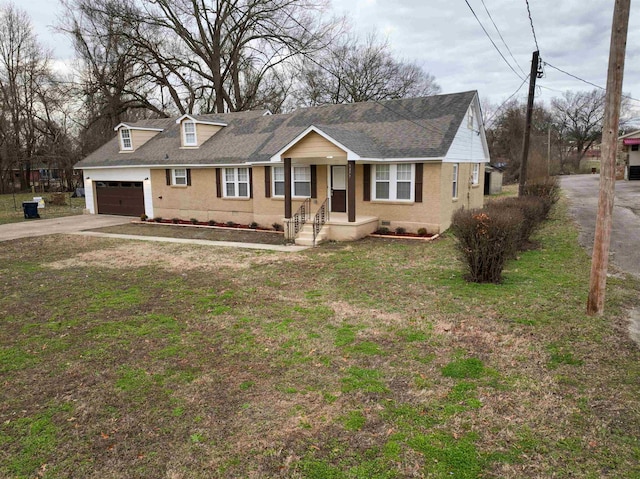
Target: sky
{"type": "Point", "coordinates": [445, 39]}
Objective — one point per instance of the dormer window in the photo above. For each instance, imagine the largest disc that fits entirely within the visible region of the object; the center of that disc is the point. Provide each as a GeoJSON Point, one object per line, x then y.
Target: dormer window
{"type": "Point", "coordinates": [189, 133]}
{"type": "Point", "coordinates": [125, 139]}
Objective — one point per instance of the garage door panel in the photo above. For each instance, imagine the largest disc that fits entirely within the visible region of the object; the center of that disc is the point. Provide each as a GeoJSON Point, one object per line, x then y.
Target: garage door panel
{"type": "Point", "coordinates": [120, 198]}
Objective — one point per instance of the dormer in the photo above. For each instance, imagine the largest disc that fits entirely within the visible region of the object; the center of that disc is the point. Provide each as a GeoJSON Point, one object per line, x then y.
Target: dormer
{"type": "Point", "coordinates": [194, 132]}
{"type": "Point", "coordinates": [132, 137]}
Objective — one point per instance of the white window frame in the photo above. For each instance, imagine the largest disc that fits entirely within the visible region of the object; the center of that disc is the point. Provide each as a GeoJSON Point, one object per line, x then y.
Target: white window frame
{"type": "Point", "coordinates": [393, 183]}
{"type": "Point", "coordinates": [177, 179]}
{"type": "Point", "coordinates": [300, 175]}
{"type": "Point", "coordinates": [186, 134]}
{"type": "Point", "coordinates": [124, 139]}
{"type": "Point", "coordinates": [470, 118]}
{"type": "Point", "coordinates": [275, 178]}
{"type": "Point", "coordinates": [454, 183]}
{"type": "Point", "coordinates": [475, 175]}
{"type": "Point", "coordinates": [236, 182]}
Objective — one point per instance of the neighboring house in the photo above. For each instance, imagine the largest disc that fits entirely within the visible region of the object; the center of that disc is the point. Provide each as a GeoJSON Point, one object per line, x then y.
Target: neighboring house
{"type": "Point", "coordinates": [629, 147]}
{"type": "Point", "coordinates": [406, 163]}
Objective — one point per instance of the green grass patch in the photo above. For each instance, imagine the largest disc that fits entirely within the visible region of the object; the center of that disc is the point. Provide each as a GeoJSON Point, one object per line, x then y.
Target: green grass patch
{"type": "Point", "coordinates": [365, 380]}
{"type": "Point", "coordinates": [353, 420]}
{"type": "Point", "coordinates": [446, 456]}
{"type": "Point", "coordinates": [468, 368]}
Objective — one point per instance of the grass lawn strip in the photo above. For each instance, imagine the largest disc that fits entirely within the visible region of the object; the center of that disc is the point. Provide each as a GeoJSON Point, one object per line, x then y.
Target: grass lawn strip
{"type": "Point", "coordinates": [372, 359]}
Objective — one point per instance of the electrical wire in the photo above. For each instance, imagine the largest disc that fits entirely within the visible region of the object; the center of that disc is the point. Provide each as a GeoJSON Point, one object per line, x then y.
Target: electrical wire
{"type": "Point", "coordinates": [491, 40]}
{"type": "Point", "coordinates": [533, 30]}
{"type": "Point", "coordinates": [502, 38]}
{"type": "Point", "coordinates": [585, 81]}
{"type": "Point", "coordinates": [486, 124]}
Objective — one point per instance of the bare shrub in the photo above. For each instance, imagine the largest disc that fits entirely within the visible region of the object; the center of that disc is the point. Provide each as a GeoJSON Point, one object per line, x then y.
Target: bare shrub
{"type": "Point", "coordinates": [533, 211]}
{"type": "Point", "coordinates": [546, 189]}
{"type": "Point", "coordinates": [486, 239]}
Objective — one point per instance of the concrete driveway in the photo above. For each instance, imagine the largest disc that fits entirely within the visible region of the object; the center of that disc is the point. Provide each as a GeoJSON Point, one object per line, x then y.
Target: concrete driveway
{"type": "Point", "coordinates": [67, 224]}
{"type": "Point", "coordinates": [582, 191]}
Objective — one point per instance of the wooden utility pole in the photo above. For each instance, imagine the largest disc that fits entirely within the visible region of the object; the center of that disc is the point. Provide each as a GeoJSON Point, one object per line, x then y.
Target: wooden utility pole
{"type": "Point", "coordinates": [527, 127]}
{"type": "Point", "coordinates": [610, 128]}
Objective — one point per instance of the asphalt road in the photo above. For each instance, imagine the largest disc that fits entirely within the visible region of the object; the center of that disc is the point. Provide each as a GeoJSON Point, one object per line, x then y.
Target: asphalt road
{"type": "Point", "coordinates": [582, 191]}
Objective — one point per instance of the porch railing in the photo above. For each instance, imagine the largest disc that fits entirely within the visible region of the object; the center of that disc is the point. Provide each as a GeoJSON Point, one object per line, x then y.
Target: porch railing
{"type": "Point", "coordinates": [322, 216]}
{"type": "Point", "coordinates": [299, 219]}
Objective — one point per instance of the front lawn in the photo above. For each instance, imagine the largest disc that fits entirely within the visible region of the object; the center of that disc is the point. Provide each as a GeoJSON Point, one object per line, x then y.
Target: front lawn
{"type": "Point", "coordinates": [372, 359]}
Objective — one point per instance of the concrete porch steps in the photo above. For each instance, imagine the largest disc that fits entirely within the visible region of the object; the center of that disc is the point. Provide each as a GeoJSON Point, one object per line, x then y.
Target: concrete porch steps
{"type": "Point", "coordinates": [305, 235]}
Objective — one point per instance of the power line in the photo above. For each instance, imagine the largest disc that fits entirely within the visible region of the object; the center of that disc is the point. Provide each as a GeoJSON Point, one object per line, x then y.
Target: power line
{"type": "Point", "coordinates": [585, 81]}
{"type": "Point", "coordinates": [491, 40]}
{"type": "Point", "coordinates": [501, 37]}
{"type": "Point", "coordinates": [533, 30]}
{"type": "Point", "coordinates": [505, 102]}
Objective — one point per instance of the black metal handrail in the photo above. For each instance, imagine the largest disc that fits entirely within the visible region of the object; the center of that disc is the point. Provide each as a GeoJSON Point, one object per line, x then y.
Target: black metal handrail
{"type": "Point", "coordinates": [322, 216]}
{"type": "Point", "coordinates": [299, 219]}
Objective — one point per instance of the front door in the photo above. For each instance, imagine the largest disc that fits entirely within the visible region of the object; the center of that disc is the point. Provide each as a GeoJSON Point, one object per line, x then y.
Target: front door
{"type": "Point", "coordinates": [338, 189]}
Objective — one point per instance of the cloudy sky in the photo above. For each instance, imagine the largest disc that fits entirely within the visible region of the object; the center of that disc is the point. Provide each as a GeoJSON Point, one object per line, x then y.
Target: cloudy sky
{"type": "Point", "coordinates": [444, 37]}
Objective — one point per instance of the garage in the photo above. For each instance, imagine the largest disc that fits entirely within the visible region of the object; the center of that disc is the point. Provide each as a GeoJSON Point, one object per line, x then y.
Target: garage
{"type": "Point", "coordinates": [124, 198]}
{"type": "Point", "coordinates": [634, 172]}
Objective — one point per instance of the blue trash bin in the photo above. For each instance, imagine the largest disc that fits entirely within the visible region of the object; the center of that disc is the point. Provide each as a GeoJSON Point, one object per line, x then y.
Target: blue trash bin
{"type": "Point", "coordinates": [30, 209]}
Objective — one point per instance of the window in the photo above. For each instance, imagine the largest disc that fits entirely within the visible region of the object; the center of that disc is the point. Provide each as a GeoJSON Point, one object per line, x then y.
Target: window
{"type": "Point", "coordinates": [393, 182]}
{"type": "Point", "coordinates": [125, 139]}
{"type": "Point", "coordinates": [470, 118]}
{"type": "Point", "coordinates": [236, 182]}
{"type": "Point", "coordinates": [278, 181]}
{"type": "Point", "coordinates": [301, 186]}
{"type": "Point", "coordinates": [180, 177]}
{"type": "Point", "coordinates": [189, 132]}
{"type": "Point", "coordinates": [301, 181]}
{"type": "Point", "coordinates": [634, 147]}
{"type": "Point", "coordinates": [475, 177]}
{"type": "Point", "coordinates": [455, 180]}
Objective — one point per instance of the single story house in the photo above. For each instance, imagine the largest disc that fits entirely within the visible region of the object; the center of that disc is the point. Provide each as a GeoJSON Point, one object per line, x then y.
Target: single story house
{"type": "Point", "coordinates": [629, 147]}
{"type": "Point", "coordinates": [348, 169]}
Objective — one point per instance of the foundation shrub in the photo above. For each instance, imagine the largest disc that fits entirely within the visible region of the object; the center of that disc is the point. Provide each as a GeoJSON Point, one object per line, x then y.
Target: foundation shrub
{"type": "Point", "coordinates": [486, 239]}
{"type": "Point", "coordinates": [422, 232]}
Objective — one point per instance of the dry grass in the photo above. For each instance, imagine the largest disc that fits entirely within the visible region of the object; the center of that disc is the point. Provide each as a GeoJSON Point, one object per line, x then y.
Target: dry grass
{"type": "Point", "coordinates": [366, 360]}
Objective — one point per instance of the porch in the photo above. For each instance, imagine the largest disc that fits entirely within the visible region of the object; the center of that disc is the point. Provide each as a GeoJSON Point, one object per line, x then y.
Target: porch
{"type": "Point", "coordinates": [308, 228]}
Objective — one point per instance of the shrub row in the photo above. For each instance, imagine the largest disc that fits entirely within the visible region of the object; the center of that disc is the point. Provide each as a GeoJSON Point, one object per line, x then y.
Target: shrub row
{"type": "Point", "coordinates": [488, 237]}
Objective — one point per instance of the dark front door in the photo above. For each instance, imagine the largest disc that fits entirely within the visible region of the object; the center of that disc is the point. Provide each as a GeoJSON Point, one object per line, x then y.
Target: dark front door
{"type": "Point", "coordinates": [339, 189]}
{"type": "Point", "coordinates": [120, 198]}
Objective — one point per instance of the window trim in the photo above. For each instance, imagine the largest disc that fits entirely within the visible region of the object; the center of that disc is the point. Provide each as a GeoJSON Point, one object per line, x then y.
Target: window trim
{"type": "Point", "coordinates": [123, 147]}
{"type": "Point", "coordinates": [175, 176]}
{"type": "Point", "coordinates": [475, 174]}
{"type": "Point", "coordinates": [274, 170]}
{"type": "Point", "coordinates": [236, 183]}
{"type": "Point", "coordinates": [454, 183]}
{"type": "Point", "coordinates": [393, 183]}
{"type": "Point", "coordinates": [186, 134]}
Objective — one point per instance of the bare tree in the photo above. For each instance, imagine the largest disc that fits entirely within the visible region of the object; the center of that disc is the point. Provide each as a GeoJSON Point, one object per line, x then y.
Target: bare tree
{"type": "Point", "coordinates": [352, 72]}
{"type": "Point", "coordinates": [578, 118]}
{"type": "Point", "coordinates": [24, 80]}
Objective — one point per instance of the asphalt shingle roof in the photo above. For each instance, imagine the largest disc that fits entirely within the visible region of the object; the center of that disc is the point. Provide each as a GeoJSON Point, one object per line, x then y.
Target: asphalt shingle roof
{"type": "Point", "coordinates": [407, 128]}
